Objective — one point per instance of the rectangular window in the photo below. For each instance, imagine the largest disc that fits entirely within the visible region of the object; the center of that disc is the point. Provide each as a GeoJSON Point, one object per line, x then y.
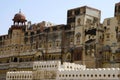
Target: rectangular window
{"type": "Point", "coordinates": [108, 36]}
{"type": "Point", "coordinates": [108, 22]}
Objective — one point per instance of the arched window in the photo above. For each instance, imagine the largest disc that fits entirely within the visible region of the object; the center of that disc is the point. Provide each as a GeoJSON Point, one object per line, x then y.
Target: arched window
{"type": "Point", "coordinates": [57, 43]}
{"type": "Point", "coordinates": [69, 56]}
{"type": "Point", "coordinates": [50, 44]}
{"type": "Point", "coordinates": [78, 35]}
{"type": "Point", "coordinates": [78, 21]}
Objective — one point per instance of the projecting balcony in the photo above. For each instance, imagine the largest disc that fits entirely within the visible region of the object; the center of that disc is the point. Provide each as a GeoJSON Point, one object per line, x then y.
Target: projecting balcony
{"type": "Point", "coordinates": [91, 32]}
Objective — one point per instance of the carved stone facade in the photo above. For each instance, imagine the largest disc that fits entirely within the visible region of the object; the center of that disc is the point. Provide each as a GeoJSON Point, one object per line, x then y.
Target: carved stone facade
{"type": "Point", "coordinates": [82, 40]}
{"type": "Point", "coordinates": [111, 48]}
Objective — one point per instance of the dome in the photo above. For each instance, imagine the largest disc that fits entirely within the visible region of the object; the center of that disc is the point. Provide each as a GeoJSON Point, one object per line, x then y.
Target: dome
{"type": "Point", "coordinates": [19, 17]}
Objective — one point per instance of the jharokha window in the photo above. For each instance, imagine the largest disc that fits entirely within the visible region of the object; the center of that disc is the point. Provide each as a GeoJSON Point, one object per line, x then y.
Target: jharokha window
{"type": "Point", "coordinates": [50, 44]}
{"type": "Point", "coordinates": [107, 36]}
{"type": "Point", "coordinates": [57, 43]}
{"type": "Point", "coordinates": [78, 35]}
{"type": "Point", "coordinates": [78, 21]}
{"type": "Point", "coordinates": [108, 22]}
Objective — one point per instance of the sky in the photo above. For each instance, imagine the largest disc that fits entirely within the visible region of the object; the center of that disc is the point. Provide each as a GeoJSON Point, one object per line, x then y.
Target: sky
{"type": "Point", "coordinates": [54, 11]}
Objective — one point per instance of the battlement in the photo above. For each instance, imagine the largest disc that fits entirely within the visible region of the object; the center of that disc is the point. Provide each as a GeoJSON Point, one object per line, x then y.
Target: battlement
{"type": "Point", "coordinates": [72, 66]}
{"type": "Point", "coordinates": [19, 75]}
{"type": "Point", "coordinates": [46, 65]}
{"type": "Point", "coordinates": [56, 71]}
{"type": "Point", "coordinates": [86, 74]}
{"type": "Point", "coordinates": [56, 65]}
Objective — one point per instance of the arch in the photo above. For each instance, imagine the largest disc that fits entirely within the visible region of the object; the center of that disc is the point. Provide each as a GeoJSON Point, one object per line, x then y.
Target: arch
{"type": "Point", "coordinates": [78, 53]}
{"type": "Point", "coordinates": [39, 55]}
{"type": "Point", "coordinates": [78, 21]}
{"type": "Point", "coordinates": [78, 35]}
{"type": "Point", "coordinates": [68, 56]}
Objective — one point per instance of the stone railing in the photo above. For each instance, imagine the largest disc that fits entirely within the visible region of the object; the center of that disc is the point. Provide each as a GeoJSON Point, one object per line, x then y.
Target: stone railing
{"type": "Point", "coordinates": [25, 65]}
{"type": "Point", "coordinates": [8, 54]}
{"type": "Point", "coordinates": [16, 65]}
{"type": "Point", "coordinates": [13, 64]}
{"type": "Point", "coordinates": [21, 65]}
{"type": "Point", "coordinates": [54, 50]}
{"type": "Point", "coordinates": [4, 65]}
{"type": "Point", "coordinates": [28, 53]}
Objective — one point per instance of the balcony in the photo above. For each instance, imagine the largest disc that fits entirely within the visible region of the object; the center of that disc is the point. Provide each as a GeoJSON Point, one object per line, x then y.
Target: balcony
{"type": "Point", "coordinates": [91, 32]}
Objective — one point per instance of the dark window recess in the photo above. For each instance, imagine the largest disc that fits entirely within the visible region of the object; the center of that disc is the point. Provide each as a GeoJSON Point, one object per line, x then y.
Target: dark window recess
{"type": "Point", "coordinates": [105, 27]}
{"type": "Point", "coordinates": [86, 47]}
{"type": "Point", "coordinates": [95, 20]}
{"type": "Point", "coordinates": [77, 11]}
{"type": "Point", "coordinates": [47, 29]}
{"type": "Point", "coordinates": [118, 37]}
{"type": "Point", "coordinates": [40, 37]}
{"type": "Point", "coordinates": [115, 10]}
{"type": "Point", "coordinates": [31, 40]}
{"type": "Point", "coordinates": [108, 36]}
{"type": "Point", "coordinates": [54, 28]}
{"type": "Point", "coordinates": [32, 33]}
{"type": "Point", "coordinates": [20, 60]}
{"type": "Point", "coordinates": [70, 20]}
{"type": "Point", "coordinates": [38, 31]}
{"type": "Point", "coordinates": [116, 29]}
{"type": "Point", "coordinates": [0, 43]}
{"type": "Point", "coordinates": [78, 53]}
{"type": "Point", "coordinates": [0, 38]}
{"type": "Point", "coordinates": [69, 13]}
{"type": "Point", "coordinates": [66, 27]}
{"type": "Point", "coordinates": [25, 39]}
{"type": "Point", "coordinates": [119, 9]}
{"type": "Point", "coordinates": [108, 22]}
{"type": "Point", "coordinates": [15, 59]}
{"type": "Point", "coordinates": [26, 34]}
{"type": "Point", "coordinates": [91, 32]}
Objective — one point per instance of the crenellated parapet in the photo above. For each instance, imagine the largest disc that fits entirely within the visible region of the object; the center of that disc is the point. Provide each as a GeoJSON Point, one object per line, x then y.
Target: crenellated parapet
{"type": "Point", "coordinates": [56, 71]}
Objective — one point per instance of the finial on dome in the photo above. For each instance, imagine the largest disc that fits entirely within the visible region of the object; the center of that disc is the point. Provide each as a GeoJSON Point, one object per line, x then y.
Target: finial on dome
{"type": "Point", "coordinates": [19, 17]}
{"type": "Point", "coordinates": [19, 10]}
